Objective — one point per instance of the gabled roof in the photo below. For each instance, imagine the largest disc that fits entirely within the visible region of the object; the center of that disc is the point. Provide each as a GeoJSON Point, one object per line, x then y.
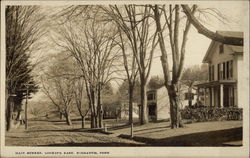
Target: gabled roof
{"type": "Point", "coordinates": [231, 33]}
{"type": "Point", "coordinates": [236, 49]}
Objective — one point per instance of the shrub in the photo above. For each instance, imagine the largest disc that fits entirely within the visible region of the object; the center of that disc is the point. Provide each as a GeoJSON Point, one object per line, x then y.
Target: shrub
{"type": "Point", "coordinates": [202, 114]}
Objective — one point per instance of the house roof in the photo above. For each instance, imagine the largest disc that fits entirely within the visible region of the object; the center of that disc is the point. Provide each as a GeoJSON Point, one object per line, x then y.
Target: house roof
{"type": "Point", "coordinates": [231, 33]}
{"type": "Point", "coordinates": [236, 49]}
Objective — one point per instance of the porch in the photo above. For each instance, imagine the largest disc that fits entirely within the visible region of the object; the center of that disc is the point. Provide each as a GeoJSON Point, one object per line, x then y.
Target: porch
{"type": "Point", "coordinates": [222, 93]}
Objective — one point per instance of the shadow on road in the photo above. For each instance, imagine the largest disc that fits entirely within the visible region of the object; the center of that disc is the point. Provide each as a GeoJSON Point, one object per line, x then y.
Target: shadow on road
{"type": "Point", "coordinates": [97, 144]}
{"type": "Point", "coordinates": [150, 129]}
{"type": "Point", "coordinates": [88, 130]}
{"type": "Point", "coordinates": [212, 138]}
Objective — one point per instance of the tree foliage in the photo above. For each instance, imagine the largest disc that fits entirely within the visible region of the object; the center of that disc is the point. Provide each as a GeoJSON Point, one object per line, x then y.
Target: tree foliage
{"type": "Point", "coordinates": [59, 86]}
{"type": "Point", "coordinates": [23, 31]}
{"type": "Point", "coordinates": [155, 82]}
{"type": "Point", "coordinates": [194, 74]}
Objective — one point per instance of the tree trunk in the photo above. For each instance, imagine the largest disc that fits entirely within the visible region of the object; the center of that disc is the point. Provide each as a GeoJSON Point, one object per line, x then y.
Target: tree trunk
{"type": "Point", "coordinates": [94, 120]}
{"type": "Point", "coordinates": [144, 111]}
{"type": "Point", "coordinates": [131, 92]}
{"type": "Point", "coordinates": [9, 112]}
{"type": "Point", "coordinates": [174, 106]}
{"type": "Point", "coordinates": [83, 122]}
{"type": "Point", "coordinates": [189, 102]}
{"type": "Point", "coordinates": [100, 117]}
{"type": "Point", "coordinates": [68, 120]}
{"type": "Point", "coordinates": [99, 109]}
{"type": "Point", "coordinates": [61, 116]}
{"type": "Point", "coordinates": [18, 115]}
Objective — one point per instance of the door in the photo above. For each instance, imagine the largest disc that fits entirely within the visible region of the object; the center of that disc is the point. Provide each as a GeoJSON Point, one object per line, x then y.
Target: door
{"type": "Point", "coordinates": [226, 96]}
{"type": "Point", "coordinates": [152, 112]}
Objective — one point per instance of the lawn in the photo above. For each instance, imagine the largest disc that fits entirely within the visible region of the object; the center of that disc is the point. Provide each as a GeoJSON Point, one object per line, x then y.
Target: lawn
{"type": "Point", "coordinates": [219, 133]}
{"type": "Point", "coordinates": [57, 133]}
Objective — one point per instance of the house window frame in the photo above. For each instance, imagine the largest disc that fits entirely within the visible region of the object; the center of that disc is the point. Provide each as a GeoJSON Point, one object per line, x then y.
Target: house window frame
{"type": "Point", "coordinates": [212, 73]}
{"type": "Point", "coordinates": [221, 71]}
{"type": "Point", "coordinates": [153, 96]}
{"type": "Point", "coordinates": [221, 49]}
{"type": "Point", "coordinates": [218, 71]}
{"type": "Point", "coordinates": [224, 70]}
{"type": "Point", "coordinates": [230, 67]}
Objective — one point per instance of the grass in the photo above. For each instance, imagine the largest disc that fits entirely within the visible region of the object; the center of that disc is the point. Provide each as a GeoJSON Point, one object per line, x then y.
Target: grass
{"type": "Point", "coordinates": [226, 133]}
{"type": "Point", "coordinates": [53, 132]}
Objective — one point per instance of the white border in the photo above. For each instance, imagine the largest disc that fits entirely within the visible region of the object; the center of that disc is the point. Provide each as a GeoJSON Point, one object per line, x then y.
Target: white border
{"type": "Point", "coordinates": [130, 151]}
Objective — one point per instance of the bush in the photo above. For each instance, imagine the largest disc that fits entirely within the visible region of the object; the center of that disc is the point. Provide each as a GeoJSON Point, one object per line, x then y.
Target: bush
{"type": "Point", "coordinates": [202, 114]}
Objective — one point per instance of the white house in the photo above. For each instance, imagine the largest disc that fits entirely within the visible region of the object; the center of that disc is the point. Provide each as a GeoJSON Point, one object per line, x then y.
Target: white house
{"type": "Point", "coordinates": [158, 102]}
{"type": "Point", "coordinates": [225, 71]}
{"type": "Point", "coordinates": [124, 111]}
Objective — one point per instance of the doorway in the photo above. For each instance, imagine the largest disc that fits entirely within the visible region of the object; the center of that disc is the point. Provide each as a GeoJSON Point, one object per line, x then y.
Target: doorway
{"type": "Point", "coordinates": [152, 111]}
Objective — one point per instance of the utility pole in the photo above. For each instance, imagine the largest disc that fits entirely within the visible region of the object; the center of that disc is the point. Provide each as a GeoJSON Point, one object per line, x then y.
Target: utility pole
{"type": "Point", "coordinates": [26, 104]}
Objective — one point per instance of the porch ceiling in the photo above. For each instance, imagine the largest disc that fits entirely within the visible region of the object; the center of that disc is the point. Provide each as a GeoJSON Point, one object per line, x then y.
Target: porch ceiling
{"type": "Point", "coordinates": [216, 83]}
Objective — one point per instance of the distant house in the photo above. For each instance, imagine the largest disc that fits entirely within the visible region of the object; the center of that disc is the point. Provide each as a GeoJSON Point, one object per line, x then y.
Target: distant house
{"type": "Point", "coordinates": [158, 102]}
{"type": "Point", "coordinates": [124, 111]}
{"type": "Point", "coordinates": [120, 111]}
{"type": "Point", "coordinates": [225, 71]}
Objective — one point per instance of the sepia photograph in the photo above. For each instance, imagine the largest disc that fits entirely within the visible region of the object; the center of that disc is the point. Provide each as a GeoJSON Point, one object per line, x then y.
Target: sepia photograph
{"type": "Point", "coordinates": [124, 79]}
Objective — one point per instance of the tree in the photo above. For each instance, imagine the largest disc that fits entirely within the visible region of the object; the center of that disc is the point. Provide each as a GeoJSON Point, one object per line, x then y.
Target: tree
{"type": "Point", "coordinates": [206, 32]}
{"type": "Point", "coordinates": [131, 72]}
{"type": "Point", "coordinates": [92, 45]}
{"type": "Point", "coordinates": [23, 30]}
{"type": "Point", "coordinates": [171, 19]}
{"type": "Point", "coordinates": [193, 75]}
{"type": "Point", "coordinates": [41, 108]}
{"type": "Point", "coordinates": [58, 85]}
{"type": "Point", "coordinates": [133, 21]}
{"type": "Point", "coordinates": [155, 82]}
{"type": "Point", "coordinates": [79, 98]}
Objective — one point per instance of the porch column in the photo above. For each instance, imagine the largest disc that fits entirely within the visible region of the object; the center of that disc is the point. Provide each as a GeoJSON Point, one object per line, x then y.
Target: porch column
{"type": "Point", "coordinates": [205, 96]}
{"type": "Point", "coordinates": [235, 96]}
{"type": "Point", "coordinates": [212, 98]}
{"type": "Point", "coordinates": [198, 96]}
{"type": "Point", "coordinates": [221, 95]}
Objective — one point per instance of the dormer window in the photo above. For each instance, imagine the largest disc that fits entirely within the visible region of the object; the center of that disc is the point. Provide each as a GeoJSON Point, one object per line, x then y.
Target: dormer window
{"type": "Point", "coordinates": [221, 49]}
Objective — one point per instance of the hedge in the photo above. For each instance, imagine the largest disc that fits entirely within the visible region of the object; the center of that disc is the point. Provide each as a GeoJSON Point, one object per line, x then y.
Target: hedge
{"type": "Point", "coordinates": [202, 114]}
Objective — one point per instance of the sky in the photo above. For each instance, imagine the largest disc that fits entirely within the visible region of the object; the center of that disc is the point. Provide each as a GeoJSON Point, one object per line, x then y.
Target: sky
{"type": "Point", "coordinates": [198, 44]}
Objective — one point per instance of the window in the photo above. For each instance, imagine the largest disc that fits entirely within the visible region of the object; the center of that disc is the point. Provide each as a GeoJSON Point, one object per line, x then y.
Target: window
{"type": "Point", "coordinates": [231, 96]}
{"type": "Point", "coordinates": [221, 49]}
{"type": "Point", "coordinates": [224, 72]}
{"type": "Point", "coordinates": [227, 69]}
{"type": "Point", "coordinates": [218, 71]}
{"type": "Point", "coordinates": [209, 73]}
{"type": "Point", "coordinates": [151, 96]}
{"type": "Point", "coordinates": [230, 69]}
{"type": "Point", "coordinates": [212, 72]}
{"type": "Point", "coordinates": [221, 71]}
